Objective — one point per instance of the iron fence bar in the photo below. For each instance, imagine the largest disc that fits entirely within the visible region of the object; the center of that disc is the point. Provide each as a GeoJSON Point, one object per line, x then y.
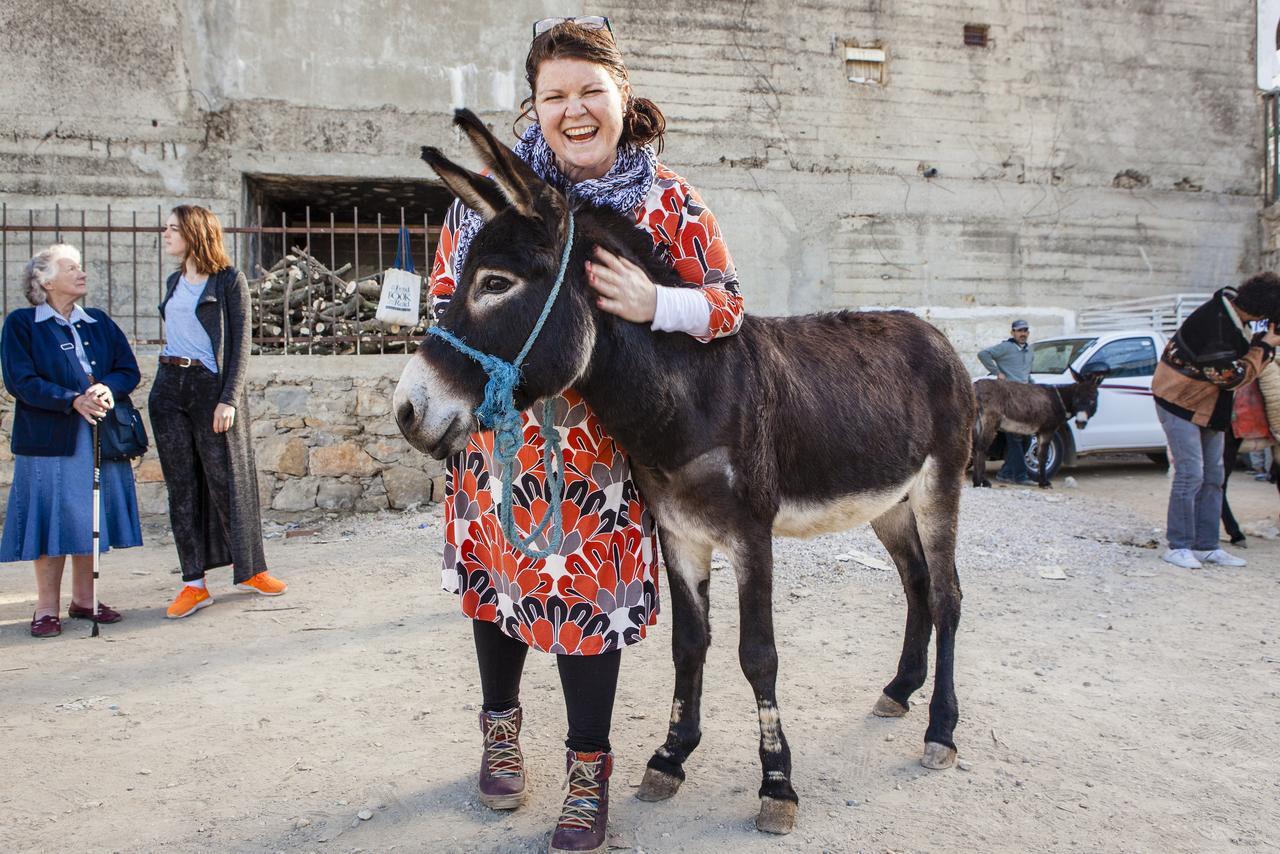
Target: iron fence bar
{"type": "Point", "coordinates": [135, 274]}
{"type": "Point", "coordinates": [284, 312]}
{"type": "Point", "coordinates": [31, 238]}
{"type": "Point", "coordinates": [160, 262]}
{"type": "Point", "coordinates": [57, 220]}
{"type": "Point", "coordinates": [235, 241]}
{"type": "Point", "coordinates": [1275, 145]}
{"type": "Point", "coordinates": [84, 255]}
{"type": "Point", "coordinates": [257, 259]}
{"type": "Point", "coordinates": [333, 262]}
{"type": "Point", "coordinates": [110, 282]}
{"type": "Point", "coordinates": [311, 326]}
{"type": "Point", "coordinates": [355, 224]}
{"type": "Point", "coordinates": [4, 253]}
{"type": "Point", "coordinates": [1266, 150]}
{"type": "Point", "coordinates": [382, 267]}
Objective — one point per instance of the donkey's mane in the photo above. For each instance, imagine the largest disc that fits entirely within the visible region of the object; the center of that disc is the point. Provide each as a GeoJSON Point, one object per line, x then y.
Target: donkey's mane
{"type": "Point", "coordinates": [621, 232]}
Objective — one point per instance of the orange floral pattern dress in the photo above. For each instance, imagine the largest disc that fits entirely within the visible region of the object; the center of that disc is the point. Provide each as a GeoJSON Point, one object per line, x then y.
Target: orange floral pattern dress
{"type": "Point", "coordinates": [600, 591]}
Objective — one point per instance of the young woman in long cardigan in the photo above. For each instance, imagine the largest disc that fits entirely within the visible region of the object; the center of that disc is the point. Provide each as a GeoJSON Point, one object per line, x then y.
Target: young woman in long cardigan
{"type": "Point", "coordinates": [200, 414]}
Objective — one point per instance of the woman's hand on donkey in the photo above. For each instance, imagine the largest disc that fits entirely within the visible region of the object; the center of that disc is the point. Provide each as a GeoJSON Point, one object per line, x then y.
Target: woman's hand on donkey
{"type": "Point", "coordinates": [223, 417]}
{"type": "Point", "coordinates": [622, 287]}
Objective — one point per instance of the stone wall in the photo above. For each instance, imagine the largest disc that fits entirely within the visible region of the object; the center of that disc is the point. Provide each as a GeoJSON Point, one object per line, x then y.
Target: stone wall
{"type": "Point", "coordinates": [324, 438]}
{"type": "Point", "coordinates": [1091, 151]}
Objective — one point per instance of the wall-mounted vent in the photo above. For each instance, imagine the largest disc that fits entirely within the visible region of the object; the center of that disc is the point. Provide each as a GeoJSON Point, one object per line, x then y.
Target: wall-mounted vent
{"type": "Point", "coordinates": [865, 64]}
{"type": "Point", "coordinates": [975, 35]}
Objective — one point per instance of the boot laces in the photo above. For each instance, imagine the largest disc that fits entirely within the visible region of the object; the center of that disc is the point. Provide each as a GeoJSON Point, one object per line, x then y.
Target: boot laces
{"type": "Point", "coordinates": [582, 798]}
{"type": "Point", "coordinates": [502, 751]}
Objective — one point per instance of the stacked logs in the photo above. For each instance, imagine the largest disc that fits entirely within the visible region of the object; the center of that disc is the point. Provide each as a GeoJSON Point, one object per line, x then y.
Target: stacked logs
{"type": "Point", "coordinates": [301, 306]}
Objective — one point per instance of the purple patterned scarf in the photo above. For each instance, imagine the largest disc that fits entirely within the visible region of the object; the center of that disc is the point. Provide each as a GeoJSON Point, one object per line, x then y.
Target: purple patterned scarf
{"type": "Point", "coordinates": [623, 188]}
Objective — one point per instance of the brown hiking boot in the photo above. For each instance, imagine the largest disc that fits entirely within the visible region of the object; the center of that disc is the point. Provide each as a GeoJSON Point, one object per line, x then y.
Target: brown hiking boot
{"type": "Point", "coordinates": [502, 764]}
{"type": "Point", "coordinates": [585, 814]}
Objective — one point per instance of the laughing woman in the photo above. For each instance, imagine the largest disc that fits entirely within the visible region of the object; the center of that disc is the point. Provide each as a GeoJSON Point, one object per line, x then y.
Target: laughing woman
{"type": "Point", "coordinates": [65, 366]}
{"type": "Point", "coordinates": [200, 414]}
{"type": "Point", "coordinates": [591, 138]}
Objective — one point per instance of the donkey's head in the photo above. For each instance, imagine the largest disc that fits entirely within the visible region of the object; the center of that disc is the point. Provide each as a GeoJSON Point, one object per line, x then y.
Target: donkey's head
{"type": "Point", "coordinates": [1084, 397]}
{"type": "Point", "coordinates": [501, 291]}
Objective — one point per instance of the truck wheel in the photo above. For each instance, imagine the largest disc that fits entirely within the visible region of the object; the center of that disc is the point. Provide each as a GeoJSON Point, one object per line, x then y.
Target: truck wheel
{"type": "Point", "coordinates": [1057, 452]}
{"type": "Point", "coordinates": [1160, 458]}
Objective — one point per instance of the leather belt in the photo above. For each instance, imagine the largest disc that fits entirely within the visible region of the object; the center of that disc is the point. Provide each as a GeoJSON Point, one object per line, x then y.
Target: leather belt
{"type": "Point", "coordinates": [179, 361]}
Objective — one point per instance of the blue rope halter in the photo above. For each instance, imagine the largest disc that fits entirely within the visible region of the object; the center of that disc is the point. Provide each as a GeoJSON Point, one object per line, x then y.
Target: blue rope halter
{"type": "Point", "coordinates": [498, 412]}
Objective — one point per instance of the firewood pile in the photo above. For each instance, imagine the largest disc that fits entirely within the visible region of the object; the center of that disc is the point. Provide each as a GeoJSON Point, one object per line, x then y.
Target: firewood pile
{"type": "Point", "coordinates": [301, 306]}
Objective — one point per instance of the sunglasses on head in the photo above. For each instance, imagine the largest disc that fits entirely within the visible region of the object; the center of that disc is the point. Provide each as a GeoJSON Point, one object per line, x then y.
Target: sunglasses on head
{"type": "Point", "coordinates": [587, 22]}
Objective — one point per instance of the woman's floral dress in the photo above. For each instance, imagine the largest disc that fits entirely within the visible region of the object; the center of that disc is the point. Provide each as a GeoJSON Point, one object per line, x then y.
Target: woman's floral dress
{"type": "Point", "coordinates": [600, 592]}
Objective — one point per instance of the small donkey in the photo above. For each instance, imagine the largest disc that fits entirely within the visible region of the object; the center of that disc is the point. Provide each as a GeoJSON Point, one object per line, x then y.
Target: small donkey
{"type": "Point", "coordinates": [794, 426]}
{"type": "Point", "coordinates": [1029, 409]}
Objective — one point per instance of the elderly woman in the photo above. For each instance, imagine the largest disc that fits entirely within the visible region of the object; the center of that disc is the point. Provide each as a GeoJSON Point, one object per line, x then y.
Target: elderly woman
{"type": "Point", "coordinates": [65, 366]}
{"type": "Point", "coordinates": [594, 139]}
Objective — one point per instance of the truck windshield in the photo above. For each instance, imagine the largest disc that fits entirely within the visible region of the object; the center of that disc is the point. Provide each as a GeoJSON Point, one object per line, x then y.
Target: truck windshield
{"type": "Point", "coordinates": [1053, 357]}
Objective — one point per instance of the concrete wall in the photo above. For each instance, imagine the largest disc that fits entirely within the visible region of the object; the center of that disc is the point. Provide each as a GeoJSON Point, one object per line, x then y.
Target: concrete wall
{"type": "Point", "coordinates": [324, 439]}
{"type": "Point", "coordinates": [1093, 150]}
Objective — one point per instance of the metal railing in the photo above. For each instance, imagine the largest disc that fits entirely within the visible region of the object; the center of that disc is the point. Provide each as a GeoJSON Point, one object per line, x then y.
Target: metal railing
{"type": "Point", "coordinates": [124, 258]}
{"type": "Point", "coordinates": [1162, 314]}
{"type": "Point", "coordinates": [1271, 147]}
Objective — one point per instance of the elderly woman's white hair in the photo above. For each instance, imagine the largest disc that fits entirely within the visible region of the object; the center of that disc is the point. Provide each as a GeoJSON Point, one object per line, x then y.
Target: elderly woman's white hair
{"type": "Point", "coordinates": [41, 269]}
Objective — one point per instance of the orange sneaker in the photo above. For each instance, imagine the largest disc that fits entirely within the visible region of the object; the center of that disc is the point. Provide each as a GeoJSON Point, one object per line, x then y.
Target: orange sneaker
{"type": "Point", "coordinates": [188, 601]}
{"type": "Point", "coordinates": [264, 584]}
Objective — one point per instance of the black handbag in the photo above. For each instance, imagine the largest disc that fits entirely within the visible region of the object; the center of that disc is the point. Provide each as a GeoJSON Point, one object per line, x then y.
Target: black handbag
{"type": "Point", "coordinates": [121, 435]}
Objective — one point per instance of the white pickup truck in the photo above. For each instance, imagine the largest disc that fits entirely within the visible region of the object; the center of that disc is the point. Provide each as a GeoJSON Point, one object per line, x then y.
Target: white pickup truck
{"type": "Point", "coordinates": [1126, 418]}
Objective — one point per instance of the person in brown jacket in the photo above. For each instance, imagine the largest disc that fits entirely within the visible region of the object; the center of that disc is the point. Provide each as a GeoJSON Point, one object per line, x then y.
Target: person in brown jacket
{"type": "Point", "coordinates": [1212, 353]}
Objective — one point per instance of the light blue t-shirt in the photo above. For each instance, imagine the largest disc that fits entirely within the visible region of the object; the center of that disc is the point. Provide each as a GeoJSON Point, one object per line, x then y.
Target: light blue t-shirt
{"type": "Point", "coordinates": [183, 334]}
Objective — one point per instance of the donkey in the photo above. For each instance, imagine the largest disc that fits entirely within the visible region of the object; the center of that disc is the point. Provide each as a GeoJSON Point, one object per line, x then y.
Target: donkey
{"type": "Point", "coordinates": [1230, 454]}
{"type": "Point", "coordinates": [1029, 409]}
{"type": "Point", "coordinates": [794, 426]}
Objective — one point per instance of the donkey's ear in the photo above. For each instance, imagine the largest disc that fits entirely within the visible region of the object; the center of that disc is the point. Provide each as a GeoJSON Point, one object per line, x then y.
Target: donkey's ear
{"type": "Point", "coordinates": [1076, 376]}
{"type": "Point", "coordinates": [475, 191]}
{"type": "Point", "coordinates": [521, 184]}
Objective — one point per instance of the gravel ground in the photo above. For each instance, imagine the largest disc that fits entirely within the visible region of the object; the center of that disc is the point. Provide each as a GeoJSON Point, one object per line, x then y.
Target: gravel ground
{"type": "Point", "coordinates": [1108, 701]}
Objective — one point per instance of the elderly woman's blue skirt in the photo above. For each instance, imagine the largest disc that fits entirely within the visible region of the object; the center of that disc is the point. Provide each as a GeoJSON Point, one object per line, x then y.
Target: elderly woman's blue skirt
{"type": "Point", "coordinates": [50, 508]}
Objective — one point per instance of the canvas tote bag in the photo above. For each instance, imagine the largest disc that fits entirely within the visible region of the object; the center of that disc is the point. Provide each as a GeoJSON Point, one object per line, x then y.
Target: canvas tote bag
{"type": "Point", "coordinates": [401, 296]}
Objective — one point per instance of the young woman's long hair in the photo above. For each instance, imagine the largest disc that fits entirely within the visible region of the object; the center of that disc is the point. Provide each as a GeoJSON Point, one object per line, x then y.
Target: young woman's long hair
{"type": "Point", "coordinates": [202, 232]}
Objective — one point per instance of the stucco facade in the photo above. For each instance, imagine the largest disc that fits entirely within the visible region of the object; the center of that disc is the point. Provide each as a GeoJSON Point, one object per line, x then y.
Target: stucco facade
{"type": "Point", "coordinates": [1091, 150]}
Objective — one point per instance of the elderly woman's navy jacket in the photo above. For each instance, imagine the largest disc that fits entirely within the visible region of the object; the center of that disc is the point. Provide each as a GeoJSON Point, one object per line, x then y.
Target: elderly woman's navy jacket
{"type": "Point", "coordinates": [42, 373]}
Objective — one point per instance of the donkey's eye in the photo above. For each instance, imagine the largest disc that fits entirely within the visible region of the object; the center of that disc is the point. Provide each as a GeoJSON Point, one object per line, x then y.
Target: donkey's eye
{"type": "Point", "coordinates": [493, 284]}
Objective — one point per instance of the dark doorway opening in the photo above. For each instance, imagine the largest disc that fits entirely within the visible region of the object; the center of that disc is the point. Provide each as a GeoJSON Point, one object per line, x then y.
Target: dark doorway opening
{"type": "Point", "coordinates": [341, 220]}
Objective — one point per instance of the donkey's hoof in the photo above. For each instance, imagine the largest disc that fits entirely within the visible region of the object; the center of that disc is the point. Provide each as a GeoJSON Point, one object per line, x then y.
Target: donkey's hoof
{"type": "Point", "coordinates": [938, 757]}
{"type": "Point", "coordinates": [887, 707]}
{"type": "Point", "coordinates": [657, 785]}
{"type": "Point", "coordinates": [776, 816]}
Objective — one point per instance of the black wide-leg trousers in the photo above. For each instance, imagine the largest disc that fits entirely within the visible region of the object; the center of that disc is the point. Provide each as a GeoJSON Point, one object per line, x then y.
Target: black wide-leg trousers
{"type": "Point", "coordinates": [195, 461]}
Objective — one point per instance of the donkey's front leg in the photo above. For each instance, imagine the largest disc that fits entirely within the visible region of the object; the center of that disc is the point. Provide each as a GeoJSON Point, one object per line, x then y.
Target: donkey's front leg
{"type": "Point", "coordinates": [758, 654]}
{"type": "Point", "coordinates": [688, 577]}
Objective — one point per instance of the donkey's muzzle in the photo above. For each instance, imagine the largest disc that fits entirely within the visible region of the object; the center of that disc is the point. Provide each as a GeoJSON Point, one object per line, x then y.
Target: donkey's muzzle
{"type": "Point", "coordinates": [432, 420]}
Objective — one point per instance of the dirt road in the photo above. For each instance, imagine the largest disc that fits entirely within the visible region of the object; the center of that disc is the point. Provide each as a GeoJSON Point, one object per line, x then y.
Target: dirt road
{"type": "Point", "coordinates": [1128, 706]}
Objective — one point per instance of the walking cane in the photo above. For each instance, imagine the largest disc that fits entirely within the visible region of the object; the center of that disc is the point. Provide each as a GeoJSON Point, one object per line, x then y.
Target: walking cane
{"type": "Point", "coordinates": [97, 462]}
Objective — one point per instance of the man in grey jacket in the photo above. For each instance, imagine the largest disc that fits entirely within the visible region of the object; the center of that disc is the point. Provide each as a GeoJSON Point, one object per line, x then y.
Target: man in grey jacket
{"type": "Point", "coordinates": [1011, 360]}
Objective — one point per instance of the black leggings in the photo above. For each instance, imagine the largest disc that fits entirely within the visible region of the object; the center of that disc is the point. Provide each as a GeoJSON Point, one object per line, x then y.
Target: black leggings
{"type": "Point", "coordinates": [589, 683]}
